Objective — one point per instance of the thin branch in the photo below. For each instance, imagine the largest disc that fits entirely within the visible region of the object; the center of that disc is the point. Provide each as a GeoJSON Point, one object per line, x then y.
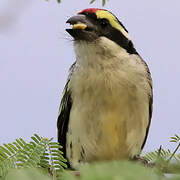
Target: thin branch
{"type": "Point", "coordinates": [173, 153]}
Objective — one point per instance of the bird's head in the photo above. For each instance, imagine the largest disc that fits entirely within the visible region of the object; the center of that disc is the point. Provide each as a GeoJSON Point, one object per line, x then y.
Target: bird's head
{"type": "Point", "coordinates": [91, 24]}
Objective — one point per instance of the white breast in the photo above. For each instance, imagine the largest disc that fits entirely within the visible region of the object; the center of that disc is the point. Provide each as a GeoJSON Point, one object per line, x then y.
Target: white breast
{"type": "Point", "coordinates": [110, 110]}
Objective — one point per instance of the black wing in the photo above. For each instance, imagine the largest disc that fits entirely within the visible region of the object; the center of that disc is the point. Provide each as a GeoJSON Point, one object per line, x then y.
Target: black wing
{"type": "Point", "coordinates": [64, 113]}
{"type": "Point", "coordinates": [150, 104]}
{"type": "Point", "coordinates": [150, 116]}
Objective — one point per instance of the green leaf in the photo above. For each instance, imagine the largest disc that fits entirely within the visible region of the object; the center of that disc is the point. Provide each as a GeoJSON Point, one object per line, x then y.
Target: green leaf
{"type": "Point", "coordinates": [60, 163]}
{"type": "Point", "coordinates": [20, 143]}
{"type": "Point", "coordinates": [103, 2]}
{"type": "Point", "coordinates": [92, 1]}
{"type": "Point", "coordinates": [17, 145]}
{"type": "Point", "coordinates": [9, 148]}
{"type": "Point", "coordinates": [35, 139]}
{"type": "Point", "coordinates": [5, 150]}
{"type": "Point", "coordinates": [13, 147]}
{"type": "Point", "coordinates": [56, 146]}
{"type": "Point", "coordinates": [24, 143]}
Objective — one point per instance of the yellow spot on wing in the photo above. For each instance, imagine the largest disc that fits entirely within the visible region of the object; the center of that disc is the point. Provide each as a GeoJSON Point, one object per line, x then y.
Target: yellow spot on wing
{"type": "Point", "coordinates": [79, 26]}
{"type": "Point", "coordinates": [112, 20]}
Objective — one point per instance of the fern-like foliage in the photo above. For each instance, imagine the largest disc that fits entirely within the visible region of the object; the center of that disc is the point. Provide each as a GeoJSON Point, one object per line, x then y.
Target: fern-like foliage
{"type": "Point", "coordinates": [165, 155]}
{"type": "Point", "coordinates": [92, 1]}
{"type": "Point", "coordinates": [175, 139]}
{"type": "Point", "coordinates": [165, 160]}
{"type": "Point", "coordinates": [175, 155]}
{"type": "Point", "coordinates": [158, 154]}
{"type": "Point", "coordinates": [41, 159]}
{"type": "Point", "coordinates": [103, 2]}
{"type": "Point", "coordinates": [38, 153]}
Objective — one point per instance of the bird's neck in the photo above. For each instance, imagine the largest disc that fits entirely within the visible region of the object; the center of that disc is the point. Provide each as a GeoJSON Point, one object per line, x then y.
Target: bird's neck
{"type": "Point", "coordinates": [100, 54]}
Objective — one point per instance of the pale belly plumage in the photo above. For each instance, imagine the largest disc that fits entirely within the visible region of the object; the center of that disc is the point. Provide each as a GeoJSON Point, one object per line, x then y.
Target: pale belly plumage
{"type": "Point", "coordinates": [110, 110]}
{"type": "Point", "coordinates": [107, 122]}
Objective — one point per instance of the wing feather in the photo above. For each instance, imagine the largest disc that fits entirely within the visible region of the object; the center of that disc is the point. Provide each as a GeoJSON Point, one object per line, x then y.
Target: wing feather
{"type": "Point", "coordinates": [150, 104]}
{"type": "Point", "coordinates": [64, 113]}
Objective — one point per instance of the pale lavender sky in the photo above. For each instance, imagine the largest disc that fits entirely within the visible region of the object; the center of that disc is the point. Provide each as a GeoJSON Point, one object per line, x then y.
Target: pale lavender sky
{"type": "Point", "coordinates": [36, 53]}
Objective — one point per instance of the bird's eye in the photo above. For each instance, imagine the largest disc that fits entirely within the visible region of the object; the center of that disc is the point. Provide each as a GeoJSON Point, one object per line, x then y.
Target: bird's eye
{"type": "Point", "coordinates": [86, 13]}
{"type": "Point", "coordinates": [104, 22]}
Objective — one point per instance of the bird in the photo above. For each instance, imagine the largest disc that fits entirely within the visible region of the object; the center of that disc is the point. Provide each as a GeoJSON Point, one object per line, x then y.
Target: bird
{"type": "Point", "coordinates": [106, 106]}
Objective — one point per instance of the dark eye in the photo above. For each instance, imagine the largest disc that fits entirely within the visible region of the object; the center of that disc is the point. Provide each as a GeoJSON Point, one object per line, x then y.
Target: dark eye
{"type": "Point", "coordinates": [104, 22]}
{"type": "Point", "coordinates": [86, 13]}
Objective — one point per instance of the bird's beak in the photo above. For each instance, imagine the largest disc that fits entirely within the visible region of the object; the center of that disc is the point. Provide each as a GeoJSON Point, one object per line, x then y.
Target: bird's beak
{"type": "Point", "coordinates": [83, 28]}
{"type": "Point", "coordinates": [78, 22]}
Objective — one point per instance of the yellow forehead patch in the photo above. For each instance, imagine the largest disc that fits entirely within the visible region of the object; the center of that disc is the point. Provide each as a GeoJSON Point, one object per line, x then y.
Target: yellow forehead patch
{"type": "Point", "coordinates": [112, 20]}
{"type": "Point", "coordinates": [79, 26]}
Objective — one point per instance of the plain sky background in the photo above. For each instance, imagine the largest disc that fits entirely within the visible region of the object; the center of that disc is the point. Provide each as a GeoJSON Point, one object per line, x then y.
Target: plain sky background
{"type": "Point", "coordinates": [36, 52]}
